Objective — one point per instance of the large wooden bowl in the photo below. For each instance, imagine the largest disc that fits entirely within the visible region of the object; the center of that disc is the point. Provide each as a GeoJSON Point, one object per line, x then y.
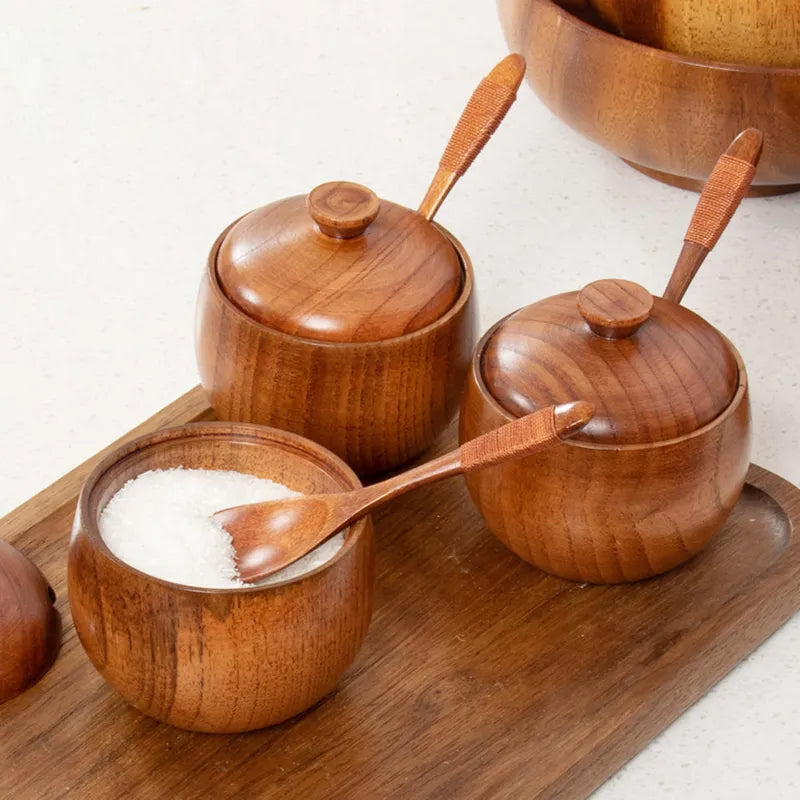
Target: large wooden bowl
{"type": "Point", "coordinates": [668, 115]}
{"type": "Point", "coordinates": [763, 32]}
{"type": "Point", "coordinates": [376, 404]}
{"type": "Point", "coordinates": [220, 660]}
{"type": "Point", "coordinates": [609, 513]}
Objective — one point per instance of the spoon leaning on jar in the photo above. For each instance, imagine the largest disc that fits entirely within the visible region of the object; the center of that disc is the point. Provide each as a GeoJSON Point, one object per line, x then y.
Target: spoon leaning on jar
{"type": "Point", "coordinates": [269, 536]}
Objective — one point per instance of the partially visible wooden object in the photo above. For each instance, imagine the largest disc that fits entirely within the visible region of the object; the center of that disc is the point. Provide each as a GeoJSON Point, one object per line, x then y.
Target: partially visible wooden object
{"type": "Point", "coordinates": [666, 114]}
{"type": "Point", "coordinates": [480, 674]}
{"type": "Point", "coordinates": [758, 32]}
{"type": "Point", "coordinates": [376, 404]}
{"type": "Point", "coordinates": [220, 660]}
{"type": "Point", "coordinates": [485, 110]}
{"type": "Point", "coordinates": [30, 628]}
{"type": "Point", "coordinates": [721, 196]}
{"type": "Point", "coordinates": [269, 536]}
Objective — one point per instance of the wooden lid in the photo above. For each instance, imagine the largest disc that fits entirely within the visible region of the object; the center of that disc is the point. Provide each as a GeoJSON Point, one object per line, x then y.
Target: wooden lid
{"type": "Point", "coordinates": [339, 265]}
{"type": "Point", "coordinates": [29, 625]}
{"type": "Point", "coordinates": [652, 369]}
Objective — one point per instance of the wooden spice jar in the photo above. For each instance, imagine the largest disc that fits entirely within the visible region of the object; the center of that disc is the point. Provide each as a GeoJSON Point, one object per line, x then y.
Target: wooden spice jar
{"type": "Point", "coordinates": [644, 485]}
{"type": "Point", "coordinates": [653, 476]}
{"type": "Point", "coordinates": [341, 317]}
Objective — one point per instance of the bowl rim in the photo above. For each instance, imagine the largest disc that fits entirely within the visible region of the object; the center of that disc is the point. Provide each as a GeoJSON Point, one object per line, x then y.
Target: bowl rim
{"type": "Point", "coordinates": [691, 61]}
{"type": "Point", "coordinates": [247, 433]}
{"type": "Point", "coordinates": [467, 288]}
{"type": "Point", "coordinates": [476, 374]}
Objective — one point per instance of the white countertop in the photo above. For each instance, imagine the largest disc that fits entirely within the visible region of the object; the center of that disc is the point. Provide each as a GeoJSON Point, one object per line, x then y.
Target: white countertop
{"type": "Point", "coordinates": [133, 133]}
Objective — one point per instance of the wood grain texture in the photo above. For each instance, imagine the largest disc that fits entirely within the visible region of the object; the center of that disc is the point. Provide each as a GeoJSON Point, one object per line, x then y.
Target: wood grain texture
{"type": "Point", "coordinates": [614, 308]}
{"type": "Point", "coordinates": [399, 275]}
{"type": "Point", "coordinates": [605, 512]}
{"type": "Point", "coordinates": [220, 661]}
{"type": "Point", "coordinates": [737, 31]}
{"type": "Point", "coordinates": [668, 115]}
{"type": "Point", "coordinates": [675, 374]}
{"type": "Point", "coordinates": [480, 676]}
{"type": "Point", "coordinates": [342, 209]}
{"type": "Point", "coordinates": [375, 404]}
{"type": "Point", "coordinates": [30, 628]}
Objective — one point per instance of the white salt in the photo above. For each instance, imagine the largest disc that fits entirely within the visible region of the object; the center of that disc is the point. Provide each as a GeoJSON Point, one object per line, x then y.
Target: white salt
{"type": "Point", "coordinates": [160, 522]}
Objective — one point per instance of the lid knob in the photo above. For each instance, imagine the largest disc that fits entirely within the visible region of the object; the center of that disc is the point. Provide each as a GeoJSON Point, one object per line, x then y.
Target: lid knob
{"type": "Point", "coordinates": [343, 210]}
{"type": "Point", "coordinates": [615, 309]}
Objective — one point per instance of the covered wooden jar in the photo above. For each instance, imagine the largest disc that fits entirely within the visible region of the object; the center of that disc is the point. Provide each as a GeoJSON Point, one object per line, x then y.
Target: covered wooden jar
{"type": "Point", "coordinates": [645, 484]}
{"type": "Point", "coordinates": [341, 317]}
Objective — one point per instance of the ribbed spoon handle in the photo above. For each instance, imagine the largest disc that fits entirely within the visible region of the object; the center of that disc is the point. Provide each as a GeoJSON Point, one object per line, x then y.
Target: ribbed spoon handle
{"type": "Point", "coordinates": [525, 435]}
{"type": "Point", "coordinates": [724, 190]}
{"type": "Point", "coordinates": [484, 112]}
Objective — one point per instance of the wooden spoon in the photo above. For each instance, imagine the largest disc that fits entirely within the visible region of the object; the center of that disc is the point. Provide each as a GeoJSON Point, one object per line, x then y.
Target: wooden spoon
{"type": "Point", "coordinates": [724, 190]}
{"type": "Point", "coordinates": [269, 536]}
{"type": "Point", "coordinates": [484, 112]}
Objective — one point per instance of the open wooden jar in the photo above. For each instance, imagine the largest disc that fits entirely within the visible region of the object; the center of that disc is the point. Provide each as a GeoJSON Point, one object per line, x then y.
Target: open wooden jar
{"type": "Point", "coordinates": [644, 485]}
{"type": "Point", "coordinates": [220, 660]}
{"type": "Point", "coordinates": [340, 317]}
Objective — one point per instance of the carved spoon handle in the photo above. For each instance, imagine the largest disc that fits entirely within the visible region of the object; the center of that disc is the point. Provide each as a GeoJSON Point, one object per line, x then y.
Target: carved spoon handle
{"type": "Point", "coordinates": [484, 112]}
{"type": "Point", "coordinates": [724, 190]}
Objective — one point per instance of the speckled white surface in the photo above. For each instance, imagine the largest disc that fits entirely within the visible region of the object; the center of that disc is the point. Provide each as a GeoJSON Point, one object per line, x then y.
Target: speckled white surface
{"type": "Point", "coordinates": [133, 133]}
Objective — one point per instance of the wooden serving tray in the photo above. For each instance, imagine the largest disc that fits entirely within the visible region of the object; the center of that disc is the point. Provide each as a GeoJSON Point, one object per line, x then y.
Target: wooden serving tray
{"type": "Point", "coordinates": [480, 676]}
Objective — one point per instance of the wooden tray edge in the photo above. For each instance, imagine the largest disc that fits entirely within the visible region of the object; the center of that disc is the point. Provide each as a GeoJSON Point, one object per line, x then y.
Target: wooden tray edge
{"type": "Point", "coordinates": [608, 756]}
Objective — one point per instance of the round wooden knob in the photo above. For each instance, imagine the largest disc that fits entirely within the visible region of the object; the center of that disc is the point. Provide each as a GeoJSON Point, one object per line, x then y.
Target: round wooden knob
{"type": "Point", "coordinates": [343, 210]}
{"type": "Point", "coordinates": [615, 309]}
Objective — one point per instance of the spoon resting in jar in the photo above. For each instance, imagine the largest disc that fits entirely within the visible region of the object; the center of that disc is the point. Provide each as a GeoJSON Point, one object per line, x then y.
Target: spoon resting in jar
{"type": "Point", "coordinates": [723, 192]}
{"type": "Point", "coordinates": [269, 536]}
{"type": "Point", "coordinates": [485, 110]}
